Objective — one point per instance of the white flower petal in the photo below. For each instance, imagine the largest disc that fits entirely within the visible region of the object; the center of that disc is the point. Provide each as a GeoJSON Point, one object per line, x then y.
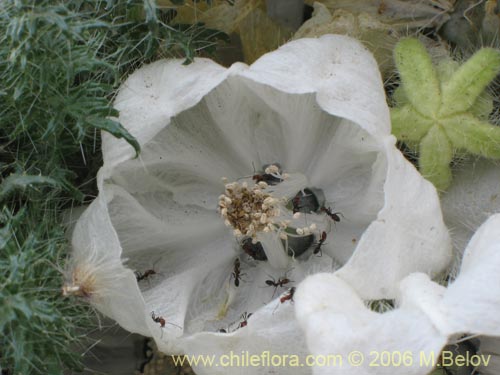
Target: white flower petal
{"type": "Point", "coordinates": [335, 320]}
{"type": "Point", "coordinates": [96, 248]}
{"type": "Point", "coordinates": [146, 106]}
{"type": "Point", "coordinates": [257, 338]}
{"type": "Point", "coordinates": [407, 236]}
{"type": "Point", "coordinates": [161, 228]}
{"type": "Point", "coordinates": [342, 73]}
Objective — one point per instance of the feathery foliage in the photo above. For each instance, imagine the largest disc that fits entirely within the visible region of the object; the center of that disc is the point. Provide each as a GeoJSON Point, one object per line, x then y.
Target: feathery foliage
{"type": "Point", "coordinates": [60, 62]}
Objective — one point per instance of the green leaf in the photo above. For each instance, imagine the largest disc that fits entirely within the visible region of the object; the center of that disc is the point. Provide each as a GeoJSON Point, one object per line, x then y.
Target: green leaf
{"type": "Point", "coordinates": [436, 154]}
{"type": "Point", "coordinates": [16, 182]}
{"type": "Point", "coordinates": [418, 76]}
{"type": "Point", "coordinates": [408, 125]}
{"type": "Point", "coordinates": [477, 137]}
{"type": "Point", "coordinates": [469, 81]}
{"type": "Point", "coordinates": [116, 129]}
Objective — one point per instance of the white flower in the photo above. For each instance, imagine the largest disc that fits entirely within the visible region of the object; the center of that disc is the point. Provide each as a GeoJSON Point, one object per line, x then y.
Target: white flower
{"type": "Point", "coordinates": [311, 118]}
{"type": "Point", "coordinates": [428, 315]}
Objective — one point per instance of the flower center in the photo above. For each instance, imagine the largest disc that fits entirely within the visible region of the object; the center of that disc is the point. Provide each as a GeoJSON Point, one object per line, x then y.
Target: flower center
{"type": "Point", "coordinates": [248, 210]}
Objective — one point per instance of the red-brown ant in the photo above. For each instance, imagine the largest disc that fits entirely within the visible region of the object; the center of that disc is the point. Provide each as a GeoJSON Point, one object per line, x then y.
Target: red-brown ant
{"type": "Point", "coordinates": [268, 178]}
{"type": "Point", "coordinates": [296, 204]}
{"type": "Point", "coordinates": [321, 241]}
{"type": "Point", "coordinates": [158, 319]}
{"type": "Point", "coordinates": [161, 320]}
{"type": "Point", "coordinates": [237, 273]}
{"type": "Point", "coordinates": [141, 276]}
{"type": "Point", "coordinates": [282, 281]}
{"type": "Point", "coordinates": [244, 318]}
{"type": "Point", "coordinates": [146, 274]}
{"type": "Point", "coordinates": [333, 215]}
{"type": "Point", "coordinates": [288, 296]}
{"type": "Point", "coordinates": [256, 251]}
{"type": "Point", "coordinates": [305, 201]}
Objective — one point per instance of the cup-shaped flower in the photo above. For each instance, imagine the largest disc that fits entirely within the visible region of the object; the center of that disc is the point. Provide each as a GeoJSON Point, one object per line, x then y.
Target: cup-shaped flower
{"type": "Point", "coordinates": [250, 179]}
{"type": "Point", "coordinates": [408, 339]}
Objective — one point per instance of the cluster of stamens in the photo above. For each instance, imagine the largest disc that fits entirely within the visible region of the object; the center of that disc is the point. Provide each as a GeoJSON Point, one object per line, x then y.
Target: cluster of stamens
{"type": "Point", "coordinates": [248, 210]}
{"type": "Point", "coordinates": [305, 231]}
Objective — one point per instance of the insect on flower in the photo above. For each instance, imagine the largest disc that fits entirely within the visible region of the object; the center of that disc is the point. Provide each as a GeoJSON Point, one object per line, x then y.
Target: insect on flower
{"type": "Point", "coordinates": [161, 320]}
{"type": "Point", "coordinates": [141, 276]}
{"type": "Point", "coordinates": [237, 272]}
{"type": "Point", "coordinates": [146, 274]}
{"type": "Point", "coordinates": [288, 296]}
{"type": "Point", "coordinates": [271, 176]}
{"type": "Point", "coordinates": [244, 319]}
{"type": "Point", "coordinates": [321, 242]}
{"type": "Point", "coordinates": [335, 216]}
{"type": "Point", "coordinates": [158, 319]}
{"type": "Point", "coordinates": [255, 250]}
{"type": "Point", "coordinates": [282, 281]}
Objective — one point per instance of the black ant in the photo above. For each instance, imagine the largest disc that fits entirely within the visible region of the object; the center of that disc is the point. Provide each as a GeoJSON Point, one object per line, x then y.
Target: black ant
{"type": "Point", "coordinates": [333, 215]}
{"type": "Point", "coordinates": [321, 242]}
{"type": "Point", "coordinates": [237, 272]}
{"type": "Point", "coordinates": [288, 296]}
{"type": "Point", "coordinates": [282, 281]}
{"type": "Point", "coordinates": [244, 318]}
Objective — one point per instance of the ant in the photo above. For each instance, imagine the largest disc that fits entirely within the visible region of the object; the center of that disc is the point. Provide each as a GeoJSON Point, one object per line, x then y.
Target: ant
{"type": "Point", "coordinates": [237, 272]}
{"type": "Point", "coordinates": [162, 321]}
{"type": "Point", "coordinates": [288, 296]}
{"type": "Point", "coordinates": [282, 281]}
{"type": "Point", "coordinates": [305, 201]}
{"type": "Point", "coordinates": [269, 178]}
{"type": "Point", "coordinates": [244, 318]}
{"type": "Point", "coordinates": [256, 251]}
{"type": "Point", "coordinates": [141, 276]}
{"type": "Point", "coordinates": [158, 319]}
{"type": "Point", "coordinates": [321, 242]}
{"type": "Point", "coordinates": [146, 274]}
{"type": "Point", "coordinates": [296, 204]}
{"type": "Point", "coordinates": [333, 215]}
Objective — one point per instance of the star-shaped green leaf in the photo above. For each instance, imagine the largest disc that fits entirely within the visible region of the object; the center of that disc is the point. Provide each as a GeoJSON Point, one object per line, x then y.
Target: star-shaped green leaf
{"type": "Point", "coordinates": [444, 109]}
